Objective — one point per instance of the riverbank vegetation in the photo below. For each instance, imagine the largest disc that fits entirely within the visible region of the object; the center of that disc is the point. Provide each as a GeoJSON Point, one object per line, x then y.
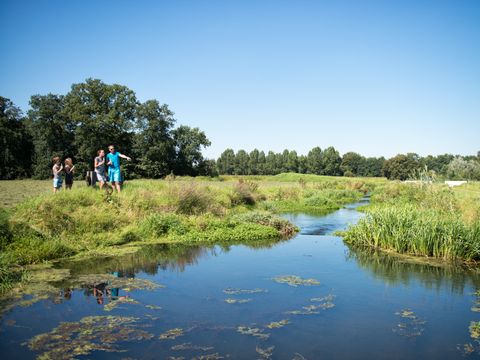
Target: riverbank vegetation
{"type": "Point", "coordinates": [86, 222]}
{"type": "Point", "coordinates": [423, 220]}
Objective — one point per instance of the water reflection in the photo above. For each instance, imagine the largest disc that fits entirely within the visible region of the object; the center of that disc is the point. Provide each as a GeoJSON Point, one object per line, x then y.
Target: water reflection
{"type": "Point", "coordinates": [396, 269]}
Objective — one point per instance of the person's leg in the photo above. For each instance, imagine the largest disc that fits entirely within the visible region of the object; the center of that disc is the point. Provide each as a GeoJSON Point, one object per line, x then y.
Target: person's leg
{"type": "Point", "coordinates": [117, 185]}
{"type": "Point", "coordinates": [101, 185]}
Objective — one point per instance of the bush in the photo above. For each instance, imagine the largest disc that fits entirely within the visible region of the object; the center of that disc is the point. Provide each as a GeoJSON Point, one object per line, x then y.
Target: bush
{"type": "Point", "coordinates": [242, 194]}
{"type": "Point", "coordinates": [192, 201]}
{"type": "Point", "coordinates": [162, 224]}
{"type": "Point", "coordinates": [5, 231]}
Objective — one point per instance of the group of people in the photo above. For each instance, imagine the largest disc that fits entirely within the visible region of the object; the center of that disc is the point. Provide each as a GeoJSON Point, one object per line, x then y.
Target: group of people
{"type": "Point", "coordinates": [112, 160]}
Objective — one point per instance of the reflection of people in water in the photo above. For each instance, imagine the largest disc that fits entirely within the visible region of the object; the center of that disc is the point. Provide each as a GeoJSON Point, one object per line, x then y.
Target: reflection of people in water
{"type": "Point", "coordinates": [98, 292]}
{"type": "Point", "coordinates": [67, 293]}
{"type": "Point", "coordinates": [113, 293]}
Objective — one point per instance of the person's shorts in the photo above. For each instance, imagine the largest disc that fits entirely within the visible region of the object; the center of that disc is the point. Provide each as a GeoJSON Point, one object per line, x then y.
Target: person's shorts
{"type": "Point", "coordinates": [114, 175]}
{"type": "Point", "coordinates": [57, 183]}
{"type": "Point", "coordinates": [101, 177]}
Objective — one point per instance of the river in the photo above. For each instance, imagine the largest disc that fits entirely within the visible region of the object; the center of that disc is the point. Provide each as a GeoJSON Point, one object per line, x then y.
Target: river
{"type": "Point", "coordinates": [311, 297]}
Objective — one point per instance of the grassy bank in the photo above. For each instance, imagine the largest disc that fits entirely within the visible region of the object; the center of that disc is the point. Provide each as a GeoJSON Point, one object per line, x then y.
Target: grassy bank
{"type": "Point", "coordinates": [422, 220]}
{"type": "Point", "coordinates": [86, 222]}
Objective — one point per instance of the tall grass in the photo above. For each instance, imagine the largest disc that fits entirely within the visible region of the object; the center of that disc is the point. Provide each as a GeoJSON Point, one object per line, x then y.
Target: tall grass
{"type": "Point", "coordinates": [418, 220]}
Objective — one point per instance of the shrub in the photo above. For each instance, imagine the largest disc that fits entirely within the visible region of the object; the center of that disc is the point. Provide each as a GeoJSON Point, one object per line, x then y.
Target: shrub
{"type": "Point", "coordinates": [242, 194]}
{"type": "Point", "coordinates": [162, 224]}
{"type": "Point", "coordinates": [192, 201]}
{"type": "Point", "coordinates": [5, 231]}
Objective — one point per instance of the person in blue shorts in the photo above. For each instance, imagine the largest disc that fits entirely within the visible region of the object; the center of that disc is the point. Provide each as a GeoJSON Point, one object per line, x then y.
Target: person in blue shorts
{"type": "Point", "coordinates": [113, 162]}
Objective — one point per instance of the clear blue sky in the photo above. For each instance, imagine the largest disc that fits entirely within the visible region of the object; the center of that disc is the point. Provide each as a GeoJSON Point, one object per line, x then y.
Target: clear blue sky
{"type": "Point", "coordinates": [376, 77]}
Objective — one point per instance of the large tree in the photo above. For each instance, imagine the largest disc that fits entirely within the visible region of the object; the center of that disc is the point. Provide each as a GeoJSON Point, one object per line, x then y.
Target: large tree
{"type": "Point", "coordinates": [103, 114]}
{"type": "Point", "coordinates": [52, 132]}
{"type": "Point", "coordinates": [315, 161]}
{"type": "Point", "coordinates": [353, 164]}
{"type": "Point", "coordinates": [401, 167]}
{"type": "Point", "coordinates": [226, 162]}
{"type": "Point", "coordinates": [331, 161]}
{"type": "Point", "coordinates": [154, 146]}
{"type": "Point", "coordinates": [188, 145]}
{"type": "Point", "coordinates": [15, 142]}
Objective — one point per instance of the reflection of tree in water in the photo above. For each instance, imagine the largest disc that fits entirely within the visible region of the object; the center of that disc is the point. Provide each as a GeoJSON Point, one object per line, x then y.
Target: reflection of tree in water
{"type": "Point", "coordinates": [171, 257]}
{"type": "Point", "coordinates": [399, 269]}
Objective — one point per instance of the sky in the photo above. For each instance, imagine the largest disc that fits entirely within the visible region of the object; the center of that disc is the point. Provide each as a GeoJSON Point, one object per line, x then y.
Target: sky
{"type": "Point", "coordinates": [375, 77]}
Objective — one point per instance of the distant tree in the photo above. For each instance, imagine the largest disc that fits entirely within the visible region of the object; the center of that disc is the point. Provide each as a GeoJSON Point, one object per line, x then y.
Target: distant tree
{"type": "Point", "coordinates": [315, 161]}
{"type": "Point", "coordinates": [353, 164]}
{"type": "Point", "coordinates": [401, 167]}
{"type": "Point", "coordinates": [188, 145]}
{"type": "Point", "coordinates": [226, 162]}
{"type": "Point", "coordinates": [241, 162]}
{"type": "Point", "coordinates": [16, 146]}
{"type": "Point", "coordinates": [438, 163]}
{"type": "Point", "coordinates": [154, 147]}
{"type": "Point", "coordinates": [270, 164]}
{"type": "Point", "coordinates": [253, 162]}
{"type": "Point", "coordinates": [302, 164]}
{"type": "Point", "coordinates": [52, 131]}
{"type": "Point", "coordinates": [374, 166]}
{"type": "Point", "coordinates": [261, 163]}
{"type": "Point", "coordinates": [331, 161]}
{"type": "Point", "coordinates": [292, 161]}
{"type": "Point", "coordinates": [461, 169]}
{"type": "Point", "coordinates": [103, 114]}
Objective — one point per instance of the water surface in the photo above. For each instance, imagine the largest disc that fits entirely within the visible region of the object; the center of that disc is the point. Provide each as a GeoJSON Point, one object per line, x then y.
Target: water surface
{"type": "Point", "coordinates": [367, 305]}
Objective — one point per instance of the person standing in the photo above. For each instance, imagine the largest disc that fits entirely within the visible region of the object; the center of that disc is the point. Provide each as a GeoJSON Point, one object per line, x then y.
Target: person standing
{"type": "Point", "coordinates": [113, 162]}
{"type": "Point", "coordinates": [100, 168]}
{"type": "Point", "coordinates": [69, 169]}
{"type": "Point", "coordinates": [57, 174]}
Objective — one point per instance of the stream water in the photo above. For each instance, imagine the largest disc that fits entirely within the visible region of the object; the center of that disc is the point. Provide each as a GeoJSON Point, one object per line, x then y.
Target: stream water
{"type": "Point", "coordinates": [238, 302]}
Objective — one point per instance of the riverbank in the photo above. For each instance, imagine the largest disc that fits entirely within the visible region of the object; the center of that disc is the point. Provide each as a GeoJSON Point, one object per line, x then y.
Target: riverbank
{"type": "Point", "coordinates": [87, 223]}
{"type": "Point", "coordinates": [422, 220]}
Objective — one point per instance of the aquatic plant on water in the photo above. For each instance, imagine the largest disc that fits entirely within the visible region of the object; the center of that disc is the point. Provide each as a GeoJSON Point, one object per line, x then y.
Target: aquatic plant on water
{"type": "Point", "coordinates": [295, 281]}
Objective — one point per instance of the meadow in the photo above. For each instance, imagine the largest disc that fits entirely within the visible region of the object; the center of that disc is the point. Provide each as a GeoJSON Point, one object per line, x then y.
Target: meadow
{"type": "Point", "coordinates": [38, 226]}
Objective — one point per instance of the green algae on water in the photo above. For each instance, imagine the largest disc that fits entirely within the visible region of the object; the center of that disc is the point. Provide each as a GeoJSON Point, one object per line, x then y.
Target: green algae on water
{"type": "Point", "coordinates": [474, 329]}
{"type": "Point", "coordinates": [412, 326]}
{"type": "Point", "coordinates": [171, 334]}
{"type": "Point", "coordinates": [328, 298]}
{"type": "Point", "coordinates": [190, 346]}
{"type": "Point", "coordinates": [153, 307]}
{"type": "Point", "coordinates": [265, 353]}
{"type": "Point", "coordinates": [215, 356]}
{"type": "Point", "coordinates": [278, 324]}
{"type": "Point", "coordinates": [92, 333]}
{"type": "Point", "coordinates": [235, 291]}
{"type": "Point", "coordinates": [295, 281]}
{"type": "Point", "coordinates": [111, 281]}
{"type": "Point", "coordinates": [237, 301]}
{"type": "Point", "coordinates": [114, 303]}
{"type": "Point", "coordinates": [253, 331]}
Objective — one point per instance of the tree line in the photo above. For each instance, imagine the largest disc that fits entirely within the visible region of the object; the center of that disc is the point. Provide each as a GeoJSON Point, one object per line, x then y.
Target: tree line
{"type": "Point", "coordinates": [330, 162]}
{"type": "Point", "coordinates": [94, 114]}
{"type": "Point", "coordinates": [89, 117]}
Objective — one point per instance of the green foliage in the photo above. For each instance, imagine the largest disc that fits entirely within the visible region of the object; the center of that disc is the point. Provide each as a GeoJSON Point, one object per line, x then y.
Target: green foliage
{"type": "Point", "coordinates": [426, 220]}
{"type": "Point", "coordinates": [161, 225]}
{"type": "Point", "coordinates": [401, 167]}
{"type": "Point", "coordinates": [192, 201]}
{"type": "Point", "coordinates": [15, 142]}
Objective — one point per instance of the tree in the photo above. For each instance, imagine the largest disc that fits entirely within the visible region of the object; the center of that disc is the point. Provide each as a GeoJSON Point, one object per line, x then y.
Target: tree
{"type": "Point", "coordinates": [15, 142]}
{"type": "Point", "coordinates": [52, 132]}
{"type": "Point", "coordinates": [270, 164]}
{"type": "Point", "coordinates": [241, 163]}
{"type": "Point", "coordinates": [103, 114]}
{"type": "Point", "coordinates": [226, 162]}
{"type": "Point", "coordinates": [373, 167]}
{"type": "Point", "coordinates": [253, 162]}
{"type": "Point", "coordinates": [188, 144]}
{"type": "Point", "coordinates": [401, 167]}
{"type": "Point", "coordinates": [315, 161]}
{"type": "Point", "coordinates": [331, 162]}
{"type": "Point", "coordinates": [461, 169]}
{"type": "Point", "coordinates": [154, 146]}
{"type": "Point", "coordinates": [353, 164]}
{"type": "Point", "coordinates": [292, 161]}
